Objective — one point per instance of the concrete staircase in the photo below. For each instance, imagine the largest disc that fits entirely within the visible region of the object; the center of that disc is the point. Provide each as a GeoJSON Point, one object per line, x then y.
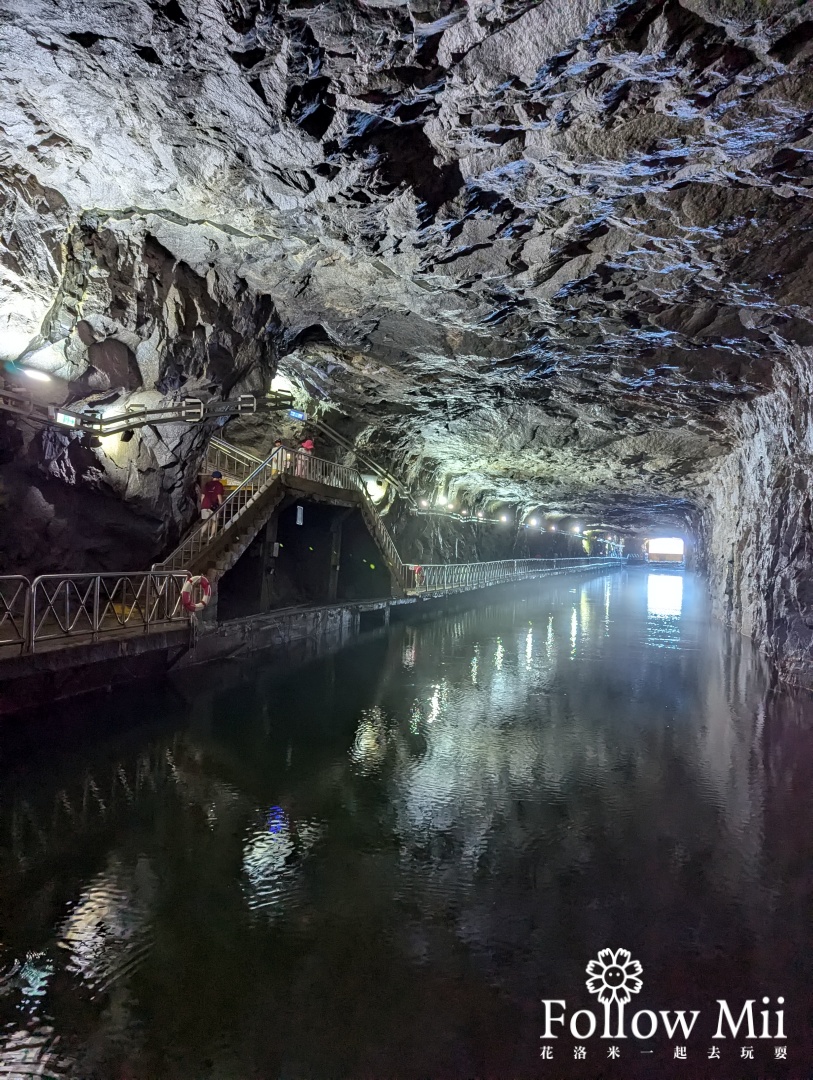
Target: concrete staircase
{"type": "Point", "coordinates": [214, 546]}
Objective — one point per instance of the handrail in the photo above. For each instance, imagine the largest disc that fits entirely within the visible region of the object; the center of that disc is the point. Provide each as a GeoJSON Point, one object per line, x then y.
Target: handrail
{"type": "Point", "coordinates": [232, 507]}
{"type": "Point", "coordinates": [373, 466]}
{"type": "Point", "coordinates": [283, 463]}
{"type": "Point", "coordinates": [230, 460]}
{"type": "Point", "coordinates": [59, 606]}
{"type": "Point", "coordinates": [14, 599]}
{"type": "Point", "coordinates": [445, 577]}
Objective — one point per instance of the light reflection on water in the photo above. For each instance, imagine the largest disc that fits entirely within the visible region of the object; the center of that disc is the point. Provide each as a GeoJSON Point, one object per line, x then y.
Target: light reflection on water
{"type": "Point", "coordinates": [376, 865]}
{"type": "Point", "coordinates": [664, 605]}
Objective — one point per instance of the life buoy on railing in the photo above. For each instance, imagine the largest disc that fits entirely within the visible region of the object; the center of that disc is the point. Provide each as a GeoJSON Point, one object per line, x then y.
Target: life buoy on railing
{"type": "Point", "coordinates": [419, 576]}
{"type": "Point", "coordinates": [187, 597]}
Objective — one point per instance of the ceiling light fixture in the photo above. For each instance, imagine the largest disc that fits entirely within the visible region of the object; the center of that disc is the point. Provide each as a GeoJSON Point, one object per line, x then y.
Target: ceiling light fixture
{"type": "Point", "coordinates": [37, 376]}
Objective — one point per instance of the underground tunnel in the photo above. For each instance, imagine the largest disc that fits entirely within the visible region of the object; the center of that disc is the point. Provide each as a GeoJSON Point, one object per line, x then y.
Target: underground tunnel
{"type": "Point", "coordinates": [406, 539]}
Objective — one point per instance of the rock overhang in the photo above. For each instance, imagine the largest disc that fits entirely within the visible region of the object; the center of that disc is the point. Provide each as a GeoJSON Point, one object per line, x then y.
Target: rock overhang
{"type": "Point", "coordinates": [539, 253]}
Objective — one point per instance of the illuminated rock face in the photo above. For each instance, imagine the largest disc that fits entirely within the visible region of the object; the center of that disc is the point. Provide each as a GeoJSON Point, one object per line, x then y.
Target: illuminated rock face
{"type": "Point", "coordinates": [551, 253]}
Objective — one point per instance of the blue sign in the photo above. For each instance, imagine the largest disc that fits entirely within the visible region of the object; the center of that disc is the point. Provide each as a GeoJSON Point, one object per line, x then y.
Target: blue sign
{"type": "Point", "coordinates": [297, 414]}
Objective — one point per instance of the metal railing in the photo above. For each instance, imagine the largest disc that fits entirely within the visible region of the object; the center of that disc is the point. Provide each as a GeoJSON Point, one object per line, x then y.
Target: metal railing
{"type": "Point", "coordinates": [290, 466]}
{"type": "Point", "coordinates": [446, 577]}
{"type": "Point", "coordinates": [283, 464]}
{"type": "Point", "coordinates": [20, 402]}
{"type": "Point", "coordinates": [14, 594]}
{"type": "Point", "coordinates": [230, 460]}
{"type": "Point", "coordinates": [86, 605]}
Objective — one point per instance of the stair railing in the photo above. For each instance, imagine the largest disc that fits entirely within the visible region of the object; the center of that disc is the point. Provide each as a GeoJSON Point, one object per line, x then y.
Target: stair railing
{"type": "Point", "coordinates": [230, 460]}
{"type": "Point", "coordinates": [293, 465]}
{"type": "Point", "coordinates": [233, 507]}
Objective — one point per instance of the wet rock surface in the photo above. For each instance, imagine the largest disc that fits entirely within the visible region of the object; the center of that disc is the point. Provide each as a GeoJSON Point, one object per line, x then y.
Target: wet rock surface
{"type": "Point", "coordinates": [549, 253]}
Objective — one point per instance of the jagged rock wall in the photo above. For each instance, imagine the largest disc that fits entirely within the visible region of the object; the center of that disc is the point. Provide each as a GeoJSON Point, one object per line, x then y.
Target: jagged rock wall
{"type": "Point", "coordinates": [535, 248]}
{"type": "Point", "coordinates": [128, 324]}
{"type": "Point", "coordinates": [431, 538]}
{"type": "Point", "coordinates": [758, 524]}
{"type": "Point", "coordinates": [550, 253]}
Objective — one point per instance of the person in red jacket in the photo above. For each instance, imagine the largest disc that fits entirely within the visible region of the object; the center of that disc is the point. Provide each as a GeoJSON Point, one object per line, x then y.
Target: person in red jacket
{"type": "Point", "coordinates": [213, 495]}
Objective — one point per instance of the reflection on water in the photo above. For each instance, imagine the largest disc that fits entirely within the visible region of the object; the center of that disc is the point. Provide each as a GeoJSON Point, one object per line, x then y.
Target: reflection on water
{"type": "Point", "coordinates": [375, 866]}
{"type": "Point", "coordinates": [664, 595]}
{"type": "Point", "coordinates": [664, 605]}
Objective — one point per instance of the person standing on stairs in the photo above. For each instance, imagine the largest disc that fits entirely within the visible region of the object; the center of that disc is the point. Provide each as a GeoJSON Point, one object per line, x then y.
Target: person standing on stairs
{"type": "Point", "coordinates": [305, 447]}
{"type": "Point", "coordinates": [213, 493]}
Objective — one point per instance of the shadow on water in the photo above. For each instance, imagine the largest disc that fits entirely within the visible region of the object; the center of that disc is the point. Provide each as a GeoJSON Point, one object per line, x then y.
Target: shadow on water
{"type": "Point", "coordinates": [377, 864]}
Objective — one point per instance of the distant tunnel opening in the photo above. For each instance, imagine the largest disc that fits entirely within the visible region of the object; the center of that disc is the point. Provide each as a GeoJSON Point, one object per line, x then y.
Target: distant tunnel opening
{"type": "Point", "coordinates": [666, 549]}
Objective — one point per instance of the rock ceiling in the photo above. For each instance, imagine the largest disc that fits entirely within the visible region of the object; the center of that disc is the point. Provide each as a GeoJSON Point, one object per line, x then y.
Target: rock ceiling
{"type": "Point", "coordinates": [542, 251]}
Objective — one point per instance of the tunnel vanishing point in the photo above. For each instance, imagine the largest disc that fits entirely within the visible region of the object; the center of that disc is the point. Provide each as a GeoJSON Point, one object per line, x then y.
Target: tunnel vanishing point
{"type": "Point", "coordinates": [548, 264]}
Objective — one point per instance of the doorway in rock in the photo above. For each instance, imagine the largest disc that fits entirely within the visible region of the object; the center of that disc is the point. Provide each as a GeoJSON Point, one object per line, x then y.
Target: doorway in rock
{"type": "Point", "coordinates": [308, 553]}
{"type": "Point", "coordinates": [301, 570]}
{"type": "Point", "coordinates": [363, 574]}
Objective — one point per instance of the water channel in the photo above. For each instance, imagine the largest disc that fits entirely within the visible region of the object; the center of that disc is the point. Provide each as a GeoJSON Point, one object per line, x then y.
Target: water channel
{"type": "Point", "coordinates": [382, 863]}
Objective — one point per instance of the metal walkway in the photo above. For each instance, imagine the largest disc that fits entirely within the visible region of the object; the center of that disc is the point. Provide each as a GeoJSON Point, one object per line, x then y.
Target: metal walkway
{"type": "Point", "coordinates": [57, 610]}
{"type": "Point", "coordinates": [217, 543]}
{"type": "Point", "coordinates": [90, 420]}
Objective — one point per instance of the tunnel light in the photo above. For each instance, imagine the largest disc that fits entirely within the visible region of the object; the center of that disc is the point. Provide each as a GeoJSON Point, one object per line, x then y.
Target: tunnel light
{"type": "Point", "coordinates": [33, 373]}
{"type": "Point", "coordinates": [281, 384]}
{"type": "Point", "coordinates": [503, 517]}
{"type": "Point", "coordinates": [576, 529]}
{"type": "Point", "coordinates": [451, 507]}
{"type": "Point", "coordinates": [480, 514]}
{"type": "Point", "coordinates": [553, 528]}
{"type": "Point", "coordinates": [441, 500]}
{"type": "Point", "coordinates": [533, 521]}
{"type": "Point", "coordinates": [424, 502]}
{"type": "Point", "coordinates": [464, 513]}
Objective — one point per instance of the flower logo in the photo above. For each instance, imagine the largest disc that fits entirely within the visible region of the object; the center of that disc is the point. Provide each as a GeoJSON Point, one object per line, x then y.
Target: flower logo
{"type": "Point", "coordinates": [614, 979]}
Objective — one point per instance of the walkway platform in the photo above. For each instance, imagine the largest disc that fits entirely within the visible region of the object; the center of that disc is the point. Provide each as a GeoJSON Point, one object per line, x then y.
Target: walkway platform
{"type": "Point", "coordinates": [44, 678]}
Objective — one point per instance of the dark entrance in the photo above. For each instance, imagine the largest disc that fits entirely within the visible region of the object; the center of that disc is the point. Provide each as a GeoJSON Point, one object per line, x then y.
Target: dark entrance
{"type": "Point", "coordinates": [329, 557]}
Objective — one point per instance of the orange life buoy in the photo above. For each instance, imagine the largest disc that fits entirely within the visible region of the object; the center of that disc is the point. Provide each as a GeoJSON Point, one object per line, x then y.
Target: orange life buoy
{"type": "Point", "coordinates": [187, 598]}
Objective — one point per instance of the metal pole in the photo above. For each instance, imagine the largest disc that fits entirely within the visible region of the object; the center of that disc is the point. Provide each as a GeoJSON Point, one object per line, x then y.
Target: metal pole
{"type": "Point", "coordinates": [95, 615]}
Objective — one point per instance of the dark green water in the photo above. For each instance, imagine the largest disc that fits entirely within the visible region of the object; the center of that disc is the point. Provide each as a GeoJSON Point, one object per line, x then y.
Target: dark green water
{"type": "Point", "coordinates": [378, 865]}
